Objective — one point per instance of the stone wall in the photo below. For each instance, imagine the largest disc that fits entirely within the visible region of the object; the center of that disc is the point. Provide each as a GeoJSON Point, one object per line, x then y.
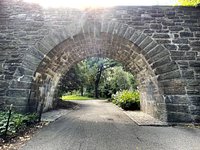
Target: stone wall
{"type": "Point", "coordinates": [161, 45]}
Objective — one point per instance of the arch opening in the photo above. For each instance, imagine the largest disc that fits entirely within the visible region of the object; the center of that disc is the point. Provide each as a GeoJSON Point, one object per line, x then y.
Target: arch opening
{"type": "Point", "coordinates": [96, 78]}
{"type": "Point", "coordinates": [71, 51]}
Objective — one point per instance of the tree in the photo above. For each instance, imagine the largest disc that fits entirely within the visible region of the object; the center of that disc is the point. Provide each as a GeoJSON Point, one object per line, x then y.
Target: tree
{"type": "Point", "coordinates": [189, 2]}
{"type": "Point", "coordinates": [97, 77]}
{"type": "Point", "coordinates": [98, 66]}
{"type": "Point", "coordinates": [70, 81]}
{"type": "Point", "coordinates": [117, 79]}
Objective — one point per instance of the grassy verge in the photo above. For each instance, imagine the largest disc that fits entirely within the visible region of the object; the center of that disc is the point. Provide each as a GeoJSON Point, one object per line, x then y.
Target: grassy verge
{"type": "Point", "coordinates": [75, 97]}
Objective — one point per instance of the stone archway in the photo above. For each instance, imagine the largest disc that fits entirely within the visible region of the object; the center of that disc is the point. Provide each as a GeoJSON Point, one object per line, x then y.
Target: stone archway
{"type": "Point", "coordinates": [30, 36]}
{"type": "Point", "coordinates": [136, 51]}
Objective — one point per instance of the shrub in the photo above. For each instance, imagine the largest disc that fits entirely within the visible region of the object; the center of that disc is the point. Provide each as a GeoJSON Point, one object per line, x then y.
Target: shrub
{"type": "Point", "coordinates": [127, 100]}
{"type": "Point", "coordinates": [18, 122]}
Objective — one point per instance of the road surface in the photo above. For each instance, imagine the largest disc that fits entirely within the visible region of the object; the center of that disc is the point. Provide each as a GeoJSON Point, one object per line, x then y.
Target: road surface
{"type": "Point", "coordinates": [99, 125]}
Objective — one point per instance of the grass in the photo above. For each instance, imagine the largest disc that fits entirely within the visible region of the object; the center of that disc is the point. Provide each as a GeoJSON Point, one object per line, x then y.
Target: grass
{"type": "Point", "coordinates": [75, 97]}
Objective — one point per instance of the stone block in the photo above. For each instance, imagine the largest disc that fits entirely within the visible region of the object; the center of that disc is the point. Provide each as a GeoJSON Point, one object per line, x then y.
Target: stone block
{"type": "Point", "coordinates": [176, 99]}
{"type": "Point", "coordinates": [180, 41]}
{"type": "Point", "coordinates": [36, 53]}
{"type": "Point", "coordinates": [184, 47]}
{"type": "Point", "coordinates": [161, 36]}
{"type": "Point", "coordinates": [11, 60]}
{"type": "Point", "coordinates": [155, 26]}
{"type": "Point", "coordinates": [129, 33]}
{"type": "Point", "coordinates": [145, 42]}
{"type": "Point", "coordinates": [122, 30]}
{"type": "Point", "coordinates": [135, 36]}
{"type": "Point", "coordinates": [197, 34]}
{"type": "Point", "coordinates": [188, 74]}
{"type": "Point", "coordinates": [168, 23]}
{"type": "Point", "coordinates": [20, 85]}
{"type": "Point", "coordinates": [20, 109]}
{"type": "Point", "coordinates": [148, 31]}
{"type": "Point", "coordinates": [159, 56]}
{"type": "Point", "coordinates": [170, 46]}
{"type": "Point", "coordinates": [16, 101]}
{"type": "Point", "coordinates": [157, 15]}
{"type": "Point", "coordinates": [170, 13]}
{"type": "Point", "coordinates": [193, 29]}
{"type": "Point", "coordinates": [193, 90]}
{"type": "Point", "coordinates": [196, 118]}
{"type": "Point", "coordinates": [2, 91]}
{"type": "Point", "coordinates": [180, 58]}
{"type": "Point", "coordinates": [195, 43]}
{"type": "Point", "coordinates": [176, 28]}
{"type": "Point", "coordinates": [173, 83]}
{"type": "Point", "coordinates": [194, 100]}
{"type": "Point", "coordinates": [166, 68]}
{"type": "Point", "coordinates": [193, 82]}
{"type": "Point", "coordinates": [175, 90]}
{"type": "Point", "coordinates": [177, 53]}
{"type": "Point", "coordinates": [160, 61]}
{"type": "Point", "coordinates": [186, 34]}
{"type": "Point", "coordinates": [177, 108]}
{"type": "Point", "coordinates": [18, 93]}
{"type": "Point", "coordinates": [39, 46]}
{"type": "Point", "coordinates": [179, 117]}
{"type": "Point", "coordinates": [48, 43]}
{"type": "Point", "coordinates": [8, 77]}
{"type": "Point", "coordinates": [170, 75]}
{"type": "Point", "coordinates": [137, 23]}
{"type": "Point", "coordinates": [3, 84]}
{"type": "Point", "coordinates": [163, 41]}
{"type": "Point", "coordinates": [116, 29]}
{"type": "Point", "coordinates": [194, 64]}
{"type": "Point", "coordinates": [20, 71]}
{"type": "Point", "coordinates": [191, 21]}
{"type": "Point", "coordinates": [194, 108]}
{"type": "Point", "coordinates": [149, 47]}
{"type": "Point", "coordinates": [140, 39]}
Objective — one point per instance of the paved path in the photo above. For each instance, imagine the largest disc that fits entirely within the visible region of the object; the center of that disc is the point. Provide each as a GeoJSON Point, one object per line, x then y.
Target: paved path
{"type": "Point", "coordinates": [98, 125]}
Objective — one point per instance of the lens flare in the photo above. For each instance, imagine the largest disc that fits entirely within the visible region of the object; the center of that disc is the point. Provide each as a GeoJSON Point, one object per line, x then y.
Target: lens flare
{"type": "Point", "coordinates": [99, 3]}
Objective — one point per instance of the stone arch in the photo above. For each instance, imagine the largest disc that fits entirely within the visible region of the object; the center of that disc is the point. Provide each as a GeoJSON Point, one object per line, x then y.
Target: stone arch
{"type": "Point", "coordinates": [138, 52]}
{"type": "Point", "coordinates": [26, 44]}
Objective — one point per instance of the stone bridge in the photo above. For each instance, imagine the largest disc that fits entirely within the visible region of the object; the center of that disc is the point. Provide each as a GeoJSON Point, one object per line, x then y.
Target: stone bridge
{"type": "Point", "coordinates": [160, 45]}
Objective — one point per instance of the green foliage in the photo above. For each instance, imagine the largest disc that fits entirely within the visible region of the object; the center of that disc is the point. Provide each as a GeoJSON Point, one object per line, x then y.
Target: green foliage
{"type": "Point", "coordinates": [71, 81]}
{"type": "Point", "coordinates": [189, 2]}
{"type": "Point", "coordinates": [100, 76]}
{"type": "Point", "coordinates": [116, 79]}
{"type": "Point", "coordinates": [18, 122]}
{"type": "Point", "coordinates": [31, 118]}
{"type": "Point", "coordinates": [75, 97]}
{"type": "Point", "coordinates": [128, 100]}
{"type": "Point", "coordinates": [3, 122]}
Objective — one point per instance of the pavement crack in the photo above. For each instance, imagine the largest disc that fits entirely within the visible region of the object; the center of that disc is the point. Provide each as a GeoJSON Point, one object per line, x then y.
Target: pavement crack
{"type": "Point", "coordinates": [139, 139]}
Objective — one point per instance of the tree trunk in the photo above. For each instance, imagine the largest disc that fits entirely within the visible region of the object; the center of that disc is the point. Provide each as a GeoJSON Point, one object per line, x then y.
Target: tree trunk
{"type": "Point", "coordinates": [81, 90]}
{"type": "Point", "coordinates": [97, 80]}
{"type": "Point", "coordinates": [96, 90]}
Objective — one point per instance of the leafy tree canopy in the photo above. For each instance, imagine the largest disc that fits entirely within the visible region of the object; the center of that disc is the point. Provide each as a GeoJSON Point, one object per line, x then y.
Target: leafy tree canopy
{"type": "Point", "coordinates": [189, 2]}
{"type": "Point", "coordinates": [98, 77]}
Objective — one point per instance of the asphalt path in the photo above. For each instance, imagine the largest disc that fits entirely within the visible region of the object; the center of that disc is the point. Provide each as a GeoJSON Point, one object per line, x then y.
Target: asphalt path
{"type": "Point", "coordinates": [99, 125]}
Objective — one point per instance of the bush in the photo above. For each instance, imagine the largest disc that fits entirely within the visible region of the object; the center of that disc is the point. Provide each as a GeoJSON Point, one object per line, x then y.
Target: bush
{"type": "Point", "coordinates": [127, 100]}
{"type": "Point", "coordinates": [18, 122]}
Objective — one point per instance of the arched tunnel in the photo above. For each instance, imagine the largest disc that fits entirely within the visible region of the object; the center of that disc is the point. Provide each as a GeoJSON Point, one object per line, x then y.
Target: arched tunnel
{"type": "Point", "coordinates": [135, 57]}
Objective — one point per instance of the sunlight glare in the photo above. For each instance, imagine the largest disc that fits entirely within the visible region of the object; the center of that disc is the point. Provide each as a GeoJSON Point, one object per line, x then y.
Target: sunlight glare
{"type": "Point", "coordinates": [99, 3]}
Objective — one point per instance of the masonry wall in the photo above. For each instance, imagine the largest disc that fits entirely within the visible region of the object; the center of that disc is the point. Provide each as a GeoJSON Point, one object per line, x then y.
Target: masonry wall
{"type": "Point", "coordinates": [177, 29]}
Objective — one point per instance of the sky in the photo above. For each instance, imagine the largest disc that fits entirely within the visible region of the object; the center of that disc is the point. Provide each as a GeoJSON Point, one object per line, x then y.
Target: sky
{"type": "Point", "coordinates": [100, 3]}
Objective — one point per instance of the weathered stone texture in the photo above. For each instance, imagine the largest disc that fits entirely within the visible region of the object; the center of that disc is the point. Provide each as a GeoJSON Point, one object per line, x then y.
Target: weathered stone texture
{"type": "Point", "coordinates": [161, 45]}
